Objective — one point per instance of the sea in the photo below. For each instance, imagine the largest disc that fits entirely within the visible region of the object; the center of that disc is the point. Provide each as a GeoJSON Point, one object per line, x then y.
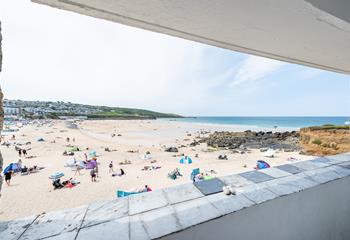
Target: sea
{"type": "Point", "coordinates": [266, 122]}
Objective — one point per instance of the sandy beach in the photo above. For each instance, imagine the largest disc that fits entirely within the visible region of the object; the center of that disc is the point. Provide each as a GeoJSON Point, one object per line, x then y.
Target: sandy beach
{"type": "Point", "coordinates": [128, 140]}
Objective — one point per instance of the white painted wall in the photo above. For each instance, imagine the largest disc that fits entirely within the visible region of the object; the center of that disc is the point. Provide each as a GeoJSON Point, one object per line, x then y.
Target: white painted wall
{"type": "Point", "coordinates": [319, 213]}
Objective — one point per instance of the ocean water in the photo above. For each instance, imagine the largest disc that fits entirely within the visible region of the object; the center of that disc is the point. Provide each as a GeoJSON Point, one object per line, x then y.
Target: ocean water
{"type": "Point", "coordinates": [269, 122]}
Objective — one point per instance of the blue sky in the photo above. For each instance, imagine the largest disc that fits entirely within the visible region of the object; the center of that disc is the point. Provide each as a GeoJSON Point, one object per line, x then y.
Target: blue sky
{"type": "Point", "coordinates": [50, 54]}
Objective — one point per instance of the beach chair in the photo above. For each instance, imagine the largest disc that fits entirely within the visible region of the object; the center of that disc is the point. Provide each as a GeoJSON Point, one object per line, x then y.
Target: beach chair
{"type": "Point", "coordinates": [195, 172]}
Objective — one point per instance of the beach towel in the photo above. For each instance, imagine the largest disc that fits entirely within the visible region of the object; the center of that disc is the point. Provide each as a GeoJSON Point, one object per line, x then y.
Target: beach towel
{"type": "Point", "coordinates": [207, 177]}
{"type": "Point", "coordinates": [121, 193]}
{"type": "Point", "coordinates": [73, 149]}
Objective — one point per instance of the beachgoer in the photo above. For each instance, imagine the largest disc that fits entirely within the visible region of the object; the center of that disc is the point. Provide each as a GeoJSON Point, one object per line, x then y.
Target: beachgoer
{"type": "Point", "coordinates": [96, 168]}
{"type": "Point", "coordinates": [77, 169]}
{"type": "Point", "coordinates": [85, 155]}
{"type": "Point", "coordinates": [67, 139]}
{"type": "Point", "coordinates": [24, 152]}
{"type": "Point", "coordinates": [20, 152]}
{"type": "Point", "coordinates": [24, 170]}
{"type": "Point", "coordinates": [111, 167]}
{"type": "Point", "coordinates": [147, 189]}
{"type": "Point", "coordinates": [8, 176]}
{"type": "Point", "coordinates": [93, 175]}
{"type": "Point", "coordinates": [19, 164]}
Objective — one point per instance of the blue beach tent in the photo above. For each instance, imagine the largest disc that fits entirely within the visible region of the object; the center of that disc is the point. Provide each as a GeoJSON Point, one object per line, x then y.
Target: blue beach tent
{"type": "Point", "coordinates": [186, 160]}
{"type": "Point", "coordinates": [11, 167]}
{"type": "Point", "coordinates": [195, 172]}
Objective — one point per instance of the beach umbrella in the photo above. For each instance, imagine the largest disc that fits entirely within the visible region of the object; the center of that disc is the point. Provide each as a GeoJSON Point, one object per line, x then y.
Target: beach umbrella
{"type": "Point", "coordinates": [70, 163]}
{"type": "Point", "coordinates": [56, 175]}
{"type": "Point", "coordinates": [80, 164]}
{"type": "Point", "coordinates": [11, 167]}
{"type": "Point", "coordinates": [93, 154]}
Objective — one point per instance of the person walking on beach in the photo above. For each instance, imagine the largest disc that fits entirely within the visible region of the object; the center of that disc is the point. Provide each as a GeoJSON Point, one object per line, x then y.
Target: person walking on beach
{"type": "Point", "coordinates": [111, 167]}
{"type": "Point", "coordinates": [93, 175]}
{"type": "Point", "coordinates": [20, 152]}
{"type": "Point", "coordinates": [19, 164]}
{"type": "Point", "coordinates": [8, 176]}
{"type": "Point", "coordinates": [24, 152]}
{"type": "Point", "coordinates": [85, 155]}
{"type": "Point", "coordinates": [77, 169]}
{"type": "Point", "coordinates": [67, 139]}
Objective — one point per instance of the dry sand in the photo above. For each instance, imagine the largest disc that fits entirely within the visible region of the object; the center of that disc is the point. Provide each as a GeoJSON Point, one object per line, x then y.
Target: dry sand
{"type": "Point", "coordinates": [33, 194]}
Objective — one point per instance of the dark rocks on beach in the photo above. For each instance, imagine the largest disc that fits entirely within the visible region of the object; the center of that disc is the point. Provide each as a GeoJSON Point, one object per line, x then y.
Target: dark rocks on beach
{"type": "Point", "coordinates": [172, 149]}
{"type": "Point", "coordinates": [287, 141]}
{"type": "Point", "coordinates": [194, 143]}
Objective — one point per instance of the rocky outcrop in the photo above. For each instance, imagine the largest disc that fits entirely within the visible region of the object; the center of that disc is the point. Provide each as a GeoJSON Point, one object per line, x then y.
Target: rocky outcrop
{"type": "Point", "coordinates": [287, 141]}
{"type": "Point", "coordinates": [326, 140]}
{"type": "Point", "coordinates": [172, 149]}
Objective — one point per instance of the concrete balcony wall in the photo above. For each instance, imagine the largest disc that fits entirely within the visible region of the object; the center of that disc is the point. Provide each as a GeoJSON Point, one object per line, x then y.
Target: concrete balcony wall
{"type": "Point", "coordinates": [321, 212]}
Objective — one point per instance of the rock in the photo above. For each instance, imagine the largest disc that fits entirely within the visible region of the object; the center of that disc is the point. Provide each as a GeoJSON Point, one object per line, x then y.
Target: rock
{"type": "Point", "coordinates": [302, 152]}
{"type": "Point", "coordinates": [172, 149]}
{"type": "Point", "coordinates": [222, 157]}
{"type": "Point", "coordinates": [243, 141]}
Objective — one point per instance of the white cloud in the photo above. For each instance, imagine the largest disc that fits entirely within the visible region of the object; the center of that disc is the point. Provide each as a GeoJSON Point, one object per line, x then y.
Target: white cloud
{"type": "Point", "coordinates": [254, 68]}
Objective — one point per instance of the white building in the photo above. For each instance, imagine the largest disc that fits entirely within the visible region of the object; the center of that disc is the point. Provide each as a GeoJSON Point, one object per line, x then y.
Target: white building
{"type": "Point", "coordinates": [12, 111]}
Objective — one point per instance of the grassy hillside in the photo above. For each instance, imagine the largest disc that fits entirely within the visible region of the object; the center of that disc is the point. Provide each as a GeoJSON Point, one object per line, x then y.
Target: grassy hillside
{"type": "Point", "coordinates": [129, 113]}
{"type": "Point", "coordinates": [325, 140]}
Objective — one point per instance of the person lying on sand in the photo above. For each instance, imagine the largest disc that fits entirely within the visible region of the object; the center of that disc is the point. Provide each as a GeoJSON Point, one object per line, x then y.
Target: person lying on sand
{"type": "Point", "coordinates": [121, 173]}
{"type": "Point", "coordinates": [67, 153]}
{"type": "Point", "coordinates": [147, 189]}
{"type": "Point", "coordinates": [125, 162]}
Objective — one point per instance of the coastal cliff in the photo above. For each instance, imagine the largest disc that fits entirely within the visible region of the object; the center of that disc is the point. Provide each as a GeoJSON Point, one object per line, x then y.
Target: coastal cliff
{"type": "Point", "coordinates": [325, 140]}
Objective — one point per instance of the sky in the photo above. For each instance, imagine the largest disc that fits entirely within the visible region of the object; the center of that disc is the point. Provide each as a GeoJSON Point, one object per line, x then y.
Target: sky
{"type": "Point", "coordinates": [56, 55]}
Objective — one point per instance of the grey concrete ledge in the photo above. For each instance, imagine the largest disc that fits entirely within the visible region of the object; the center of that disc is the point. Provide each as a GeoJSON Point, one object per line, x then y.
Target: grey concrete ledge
{"type": "Point", "coordinates": [162, 212]}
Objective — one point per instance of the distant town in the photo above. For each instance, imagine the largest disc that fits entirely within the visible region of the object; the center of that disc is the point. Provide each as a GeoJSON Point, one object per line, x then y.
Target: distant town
{"type": "Point", "coordinates": [61, 110]}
